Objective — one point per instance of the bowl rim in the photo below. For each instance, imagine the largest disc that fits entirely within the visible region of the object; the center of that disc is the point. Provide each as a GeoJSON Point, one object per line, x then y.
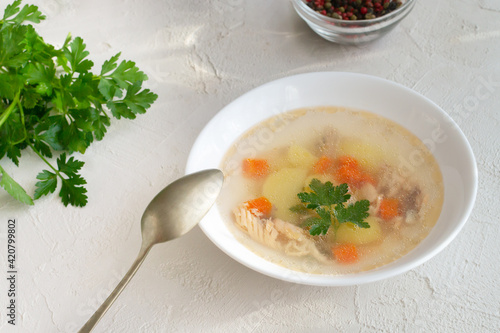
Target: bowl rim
{"type": "Point", "coordinates": [383, 272]}
{"type": "Point", "coordinates": [345, 23]}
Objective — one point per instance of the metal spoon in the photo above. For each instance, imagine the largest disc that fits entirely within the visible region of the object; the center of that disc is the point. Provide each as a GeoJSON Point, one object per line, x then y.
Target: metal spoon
{"type": "Point", "coordinates": [172, 213]}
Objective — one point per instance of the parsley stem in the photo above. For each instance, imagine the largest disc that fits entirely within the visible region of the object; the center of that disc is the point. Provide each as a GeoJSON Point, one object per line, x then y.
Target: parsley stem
{"type": "Point", "coordinates": [21, 111]}
{"type": "Point", "coordinates": [9, 110]}
{"type": "Point", "coordinates": [22, 115]}
{"type": "Point", "coordinates": [104, 112]}
{"type": "Point", "coordinates": [43, 158]}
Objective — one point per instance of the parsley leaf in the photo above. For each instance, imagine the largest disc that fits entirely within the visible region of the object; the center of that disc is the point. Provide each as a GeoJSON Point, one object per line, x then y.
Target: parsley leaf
{"type": "Point", "coordinates": [72, 190]}
{"type": "Point", "coordinates": [327, 202]}
{"type": "Point", "coordinates": [11, 9]}
{"type": "Point", "coordinates": [41, 77]}
{"type": "Point", "coordinates": [46, 185]}
{"type": "Point", "coordinates": [135, 102]}
{"type": "Point", "coordinates": [13, 188]}
{"type": "Point", "coordinates": [322, 223]}
{"type": "Point", "coordinates": [28, 13]}
{"type": "Point", "coordinates": [73, 194]}
{"type": "Point", "coordinates": [69, 167]}
{"type": "Point", "coordinates": [49, 132]}
{"type": "Point", "coordinates": [110, 64]}
{"type": "Point", "coordinates": [354, 213]}
{"type": "Point", "coordinates": [324, 194]}
{"type": "Point", "coordinates": [127, 74]}
{"type": "Point", "coordinates": [76, 55]}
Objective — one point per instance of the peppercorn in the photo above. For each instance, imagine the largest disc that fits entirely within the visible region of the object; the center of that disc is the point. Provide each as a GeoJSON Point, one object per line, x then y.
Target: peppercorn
{"type": "Point", "coordinates": [354, 9]}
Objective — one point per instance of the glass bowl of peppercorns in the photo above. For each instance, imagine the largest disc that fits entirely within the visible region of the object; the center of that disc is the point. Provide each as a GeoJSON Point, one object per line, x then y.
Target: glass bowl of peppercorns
{"type": "Point", "coordinates": [352, 21]}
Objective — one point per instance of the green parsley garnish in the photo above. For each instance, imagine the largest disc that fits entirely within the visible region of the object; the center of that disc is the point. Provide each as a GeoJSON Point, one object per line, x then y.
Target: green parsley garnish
{"type": "Point", "coordinates": [327, 201]}
{"type": "Point", "coordinates": [50, 101]}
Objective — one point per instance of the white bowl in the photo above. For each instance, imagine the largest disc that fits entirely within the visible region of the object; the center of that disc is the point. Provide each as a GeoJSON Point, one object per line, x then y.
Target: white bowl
{"type": "Point", "coordinates": [391, 100]}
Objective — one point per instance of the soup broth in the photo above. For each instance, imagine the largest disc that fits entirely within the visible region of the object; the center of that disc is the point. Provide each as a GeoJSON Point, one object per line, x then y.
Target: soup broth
{"type": "Point", "coordinates": [379, 160]}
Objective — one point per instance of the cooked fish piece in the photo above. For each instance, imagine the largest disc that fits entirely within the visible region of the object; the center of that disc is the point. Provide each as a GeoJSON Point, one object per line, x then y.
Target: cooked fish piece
{"type": "Point", "coordinates": [277, 234]}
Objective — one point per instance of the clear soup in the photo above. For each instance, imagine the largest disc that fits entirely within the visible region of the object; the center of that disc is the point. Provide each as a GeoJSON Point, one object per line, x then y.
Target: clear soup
{"type": "Point", "coordinates": [380, 161]}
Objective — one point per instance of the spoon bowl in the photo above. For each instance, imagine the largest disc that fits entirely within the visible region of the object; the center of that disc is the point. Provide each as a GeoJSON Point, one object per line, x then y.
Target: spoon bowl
{"type": "Point", "coordinates": [180, 206]}
{"type": "Point", "coordinates": [172, 213]}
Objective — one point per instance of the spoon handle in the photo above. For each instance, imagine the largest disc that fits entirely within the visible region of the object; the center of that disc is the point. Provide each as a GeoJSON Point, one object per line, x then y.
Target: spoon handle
{"type": "Point", "coordinates": [89, 325]}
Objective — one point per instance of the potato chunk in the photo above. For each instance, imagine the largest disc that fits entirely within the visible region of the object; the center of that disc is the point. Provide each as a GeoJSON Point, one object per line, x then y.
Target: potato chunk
{"type": "Point", "coordinates": [351, 233]}
{"type": "Point", "coordinates": [370, 155]}
{"type": "Point", "coordinates": [300, 157]}
{"type": "Point", "coordinates": [281, 188]}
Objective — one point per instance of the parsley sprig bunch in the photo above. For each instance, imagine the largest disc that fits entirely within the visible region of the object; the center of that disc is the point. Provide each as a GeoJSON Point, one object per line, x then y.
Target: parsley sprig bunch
{"type": "Point", "coordinates": [328, 203]}
{"type": "Point", "coordinates": [51, 102]}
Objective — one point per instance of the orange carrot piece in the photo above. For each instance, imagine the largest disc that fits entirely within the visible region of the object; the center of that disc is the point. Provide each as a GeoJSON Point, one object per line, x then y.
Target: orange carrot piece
{"type": "Point", "coordinates": [349, 172]}
{"type": "Point", "coordinates": [323, 165]}
{"type": "Point", "coordinates": [345, 253]}
{"type": "Point", "coordinates": [389, 208]}
{"type": "Point", "coordinates": [262, 206]}
{"type": "Point", "coordinates": [255, 168]}
{"type": "Point", "coordinates": [346, 174]}
{"type": "Point", "coordinates": [349, 161]}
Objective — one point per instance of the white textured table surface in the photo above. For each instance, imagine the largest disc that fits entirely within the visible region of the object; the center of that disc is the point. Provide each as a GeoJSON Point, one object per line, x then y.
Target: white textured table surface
{"type": "Point", "coordinates": [199, 56]}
